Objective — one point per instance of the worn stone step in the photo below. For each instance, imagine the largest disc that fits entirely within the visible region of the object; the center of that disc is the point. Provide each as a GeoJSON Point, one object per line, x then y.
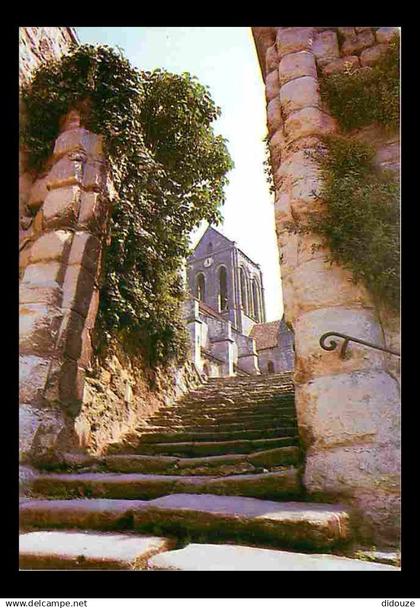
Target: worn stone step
{"type": "Point", "coordinates": [216, 435]}
{"type": "Point", "coordinates": [237, 399]}
{"type": "Point", "coordinates": [183, 426]}
{"type": "Point", "coordinates": [276, 485]}
{"type": "Point", "coordinates": [198, 420]}
{"type": "Point", "coordinates": [310, 526]}
{"type": "Point", "coordinates": [69, 550]}
{"type": "Point", "coordinates": [211, 448]}
{"type": "Point", "coordinates": [206, 557]}
{"type": "Point", "coordinates": [188, 409]}
{"type": "Point", "coordinates": [208, 465]}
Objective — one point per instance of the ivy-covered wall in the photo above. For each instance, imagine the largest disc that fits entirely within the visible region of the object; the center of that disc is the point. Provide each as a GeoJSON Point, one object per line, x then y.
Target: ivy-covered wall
{"type": "Point", "coordinates": [337, 223]}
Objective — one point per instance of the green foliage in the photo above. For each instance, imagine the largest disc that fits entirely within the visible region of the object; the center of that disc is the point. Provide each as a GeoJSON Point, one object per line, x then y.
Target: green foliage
{"type": "Point", "coordinates": [267, 167]}
{"type": "Point", "coordinates": [169, 171]}
{"type": "Point", "coordinates": [360, 223]}
{"type": "Point", "coordinates": [366, 96]}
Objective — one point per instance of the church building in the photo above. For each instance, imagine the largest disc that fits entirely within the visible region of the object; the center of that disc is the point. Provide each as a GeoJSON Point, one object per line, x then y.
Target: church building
{"type": "Point", "coordinates": [226, 315]}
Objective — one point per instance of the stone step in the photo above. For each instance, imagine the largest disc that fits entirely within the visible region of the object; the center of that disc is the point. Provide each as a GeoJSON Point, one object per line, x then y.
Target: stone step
{"type": "Point", "coordinates": [185, 426]}
{"type": "Point", "coordinates": [309, 526]}
{"type": "Point", "coordinates": [211, 448]}
{"type": "Point", "coordinates": [208, 465]}
{"type": "Point", "coordinates": [206, 557]}
{"type": "Point", "coordinates": [199, 419]}
{"type": "Point", "coordinates": [216, 435]}
{"type": "Point", "coordinates": [282, 484]}
{"type": "Point", "coordinates": [221, 407]}
{"type": "Point", "coordinates": [238, 398]}
{"type": "Point", "coordinates": [69, 550]}
{"type": "Point", "coordinates": [226, 464]}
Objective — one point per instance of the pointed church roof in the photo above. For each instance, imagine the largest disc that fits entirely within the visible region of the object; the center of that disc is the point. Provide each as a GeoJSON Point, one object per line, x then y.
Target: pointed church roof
{"type": "Point", "coordinates": [210, 229]}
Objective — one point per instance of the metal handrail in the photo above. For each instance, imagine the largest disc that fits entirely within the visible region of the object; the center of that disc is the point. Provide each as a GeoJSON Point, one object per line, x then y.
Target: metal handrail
{"type": "Point", "coordinates": [333, 344]}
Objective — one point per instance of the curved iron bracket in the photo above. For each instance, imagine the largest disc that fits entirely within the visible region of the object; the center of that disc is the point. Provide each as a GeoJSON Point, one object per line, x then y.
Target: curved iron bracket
{"type": "Point", "coordinates": [332, 345]}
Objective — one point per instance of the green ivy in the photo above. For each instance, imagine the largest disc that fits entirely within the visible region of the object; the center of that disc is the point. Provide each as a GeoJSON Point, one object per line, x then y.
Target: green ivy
{"type": "Point", "coordinates": [169, 171]}
{"type": "Point", "coordinates": [360, 219]}
{"type": "Point", "coordinates": [362, 97]}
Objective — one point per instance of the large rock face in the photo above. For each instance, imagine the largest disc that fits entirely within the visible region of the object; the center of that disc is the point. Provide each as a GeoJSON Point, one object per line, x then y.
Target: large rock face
{"type": "Point", "coordinates": [348, 409]}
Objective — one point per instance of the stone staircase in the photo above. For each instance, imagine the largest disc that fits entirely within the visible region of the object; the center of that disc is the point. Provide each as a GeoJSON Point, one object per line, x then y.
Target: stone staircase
{"type": "Point", "coordinates": [222, 465]}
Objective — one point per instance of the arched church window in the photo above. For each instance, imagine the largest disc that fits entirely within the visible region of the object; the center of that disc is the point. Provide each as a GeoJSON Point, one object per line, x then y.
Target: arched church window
{"type": "Point", "coordinates": [255, 300]}
{"type": "Point", "coordinates": [201, 287]}
{"type": "Point", "coordinates": [223, 299]}
{"type": "Point", "coordinates": [244, 298]}
{"type": "Point", "coordinates": [270, 367]}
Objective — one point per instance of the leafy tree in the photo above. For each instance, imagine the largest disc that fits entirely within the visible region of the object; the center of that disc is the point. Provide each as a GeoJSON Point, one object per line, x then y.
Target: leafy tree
{"type": "Point", "coordinates": [168, 168]}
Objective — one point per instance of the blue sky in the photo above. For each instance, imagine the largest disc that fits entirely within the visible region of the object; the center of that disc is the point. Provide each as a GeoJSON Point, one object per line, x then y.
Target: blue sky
{"type": "Point", "coordinates": [224, 59]}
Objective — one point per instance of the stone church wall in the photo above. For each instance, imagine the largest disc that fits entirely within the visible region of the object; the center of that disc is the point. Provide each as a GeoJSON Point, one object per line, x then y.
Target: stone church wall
{"type": "Point", "coordinates": [348, 410]}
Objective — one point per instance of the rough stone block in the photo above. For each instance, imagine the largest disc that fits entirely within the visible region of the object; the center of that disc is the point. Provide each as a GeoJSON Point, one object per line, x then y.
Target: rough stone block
{"type": "Point", "coordinates": [49, 293]}
{"type": "Point", "coordinates": [94, 177]}
{"type": "Point", "coordinates": [61, 207]}
{"type": "Point", "coordinates": [325, 47]}
{"type": "Point", "coordinates": [317, 284]}
{"type": "Point", "coordinates": [299, 93]}
{"type": "Point", "coordinates": [362, 29]}
{"type": "Point", "coordinates": [371, 55]}
{"type": "Point", "coordinates": [199, 557]}
{"type": "Point", "coordinates": [282, 208]}
{"type": "Point", "coordinates": [71, 384]}
{"type": "Point", "coordinates": [296, 65]}
{"type": "Point", "coordinates": [33, 373]}
{"type": "Point", "coordinates": [311, 247]}
{"type": "Point", "coordinates": [93, 310]}
{"type": "Point", "coordinates": [93, 212]}
{"type": "Point", "coordinates": [69, 340]}
{"type": "Point", "coordinates": [85, 250]}
{"type": "Point", "coordinates": [78, 140]}
{"type": "Point", "coordinates": [369, 477]}
{"type": "Point", "coordinates": [276, 144]}
{"type": "Point", "coordinates": [272, 85]}
{"type": "Point", "coordinates": [78, 289]}
{"type": "Point", "coordinates": [65, 172]}
{"type": "Point", "coordinates": [271, 59]}
{"type": "Point", "coordinates": [42, 272]}
{"type": "Point", "coordinates": [312, 361]}
{"type": "Point", "coordinates": [294, 39]}
{"type": "Point", "coordinates": [29, 420]}
{"type": "Point", "coordinates": [52, 436]}
{"type": "Point", "coordinates": [359, 42]}
{"type": "Point", "coordinates": [347, 409]}
{"type": "Point", "coordinates": [38, 328]}
{"type": "Point", "coordinates": [50, 246]}
{"type": "Point", "coordinates": [25, 185]}
{"type": "Point", "coordinates": [51, 550]}
{"type": "Point", "coordinates": [295, 168]}
{"type": "Point", "coordinates": [343, 469]}
{"type": "Point", "coordinates": [346, 31]}
{"type": "Point", "coordinates": [306, 122]}
{"type": "Point", "coordinates": [288, 247]}
{"type": "Point", "coordinates": [24, 256]}
{"type": "Point", "coordinates": [274, 117]}
{"type": "Point", "coordinates": [38, 193]}
{"type": "Point", "coordinates": [344, 64]}
{"type": "Point", "coordinates": [385, 34]}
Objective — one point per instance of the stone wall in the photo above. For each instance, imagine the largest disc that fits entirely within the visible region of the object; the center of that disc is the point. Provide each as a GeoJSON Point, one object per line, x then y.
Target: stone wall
{"type": "Point", "coordinates": [121, 392]}
{"type": "Point", "coordinates": [71, 400]}
{"type": "Point", "coordinates": [36, 45]}
{"type": "Point", "coordinates": [348, 410]}
{"type": "Point", "coordinates": [61, 261]}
